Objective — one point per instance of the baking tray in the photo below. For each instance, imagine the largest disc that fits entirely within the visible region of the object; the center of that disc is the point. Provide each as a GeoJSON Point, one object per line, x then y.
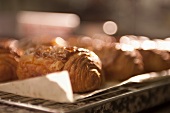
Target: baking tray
{"type": "Point", "coordinates": [130, 97]}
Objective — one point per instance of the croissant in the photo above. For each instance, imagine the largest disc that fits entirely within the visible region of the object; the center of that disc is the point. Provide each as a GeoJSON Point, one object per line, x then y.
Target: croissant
{"type": "Point", "coordinates": [8, 65]}
{"type": "Point", "coordinates": [117, 64]}
{"type": "Point", "coordinates": [155, 53]}
{"type": "Point", "coordinates": [84, 66]}
{"type": "Point", "coordinates": [155, 60]}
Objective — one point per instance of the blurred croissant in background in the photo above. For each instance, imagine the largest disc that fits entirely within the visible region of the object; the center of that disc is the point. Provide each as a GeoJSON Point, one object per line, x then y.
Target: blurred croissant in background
{"type": "Point", "coordinates": [155, 53]}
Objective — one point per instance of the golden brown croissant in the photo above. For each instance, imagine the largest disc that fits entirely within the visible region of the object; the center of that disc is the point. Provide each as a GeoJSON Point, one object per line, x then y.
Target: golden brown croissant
{"type": "Point", "coordinates": [118, 64]}
{"type": "Point", "coordinates": [8, 65]}
{"type": "Point", "coordinates": [84, 66]}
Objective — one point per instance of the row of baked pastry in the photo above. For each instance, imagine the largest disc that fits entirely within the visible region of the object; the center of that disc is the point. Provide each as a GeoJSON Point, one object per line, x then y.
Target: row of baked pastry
{"type": "Point", "coordinates": [155, 52]}
{"type": "Point", "coordinates": [84, 66]}
{"type": "Point", "coordinates": [88, 68]}
{"type": "Point", "coordinates": [129, 56]}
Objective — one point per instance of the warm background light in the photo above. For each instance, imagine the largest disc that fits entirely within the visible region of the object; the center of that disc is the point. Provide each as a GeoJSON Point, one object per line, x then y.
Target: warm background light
{"type": "Point", "coordinates": [60, 41]}
{"type": "Point", "coordinates": [110, 27]}
{"type": "Point", "coordinates": [50, 19]}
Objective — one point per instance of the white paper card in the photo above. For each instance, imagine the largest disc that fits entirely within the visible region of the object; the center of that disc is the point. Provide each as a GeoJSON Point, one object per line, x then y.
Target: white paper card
{"type": "Point", "coordinates": [54, 86]}
{"type": "Point", "coordinates": [57, 86]}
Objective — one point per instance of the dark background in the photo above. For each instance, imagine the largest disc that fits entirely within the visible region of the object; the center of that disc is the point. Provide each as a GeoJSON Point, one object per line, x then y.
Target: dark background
{"type": "Point", "coordinates": [139, 17]}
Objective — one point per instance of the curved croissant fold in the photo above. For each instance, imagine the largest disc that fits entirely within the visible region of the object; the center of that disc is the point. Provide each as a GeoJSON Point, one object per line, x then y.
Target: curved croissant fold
{"type": "Point", "coordinates": [84, 66]}
{"type": "Point", "coordinates": [8, 65]}
{"type": "Point", "coordinates": [8, 60]}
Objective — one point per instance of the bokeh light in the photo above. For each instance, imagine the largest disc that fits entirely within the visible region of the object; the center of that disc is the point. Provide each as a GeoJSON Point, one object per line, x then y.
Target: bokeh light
{"type": "Point", "coordinates": [110, 27]}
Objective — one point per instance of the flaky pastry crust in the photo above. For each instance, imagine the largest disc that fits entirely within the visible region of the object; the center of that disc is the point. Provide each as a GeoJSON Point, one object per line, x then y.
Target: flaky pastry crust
{"type": "Point", "coordinates": [8, 65]}
{"type": "Point", "coordinates": [84, 66]}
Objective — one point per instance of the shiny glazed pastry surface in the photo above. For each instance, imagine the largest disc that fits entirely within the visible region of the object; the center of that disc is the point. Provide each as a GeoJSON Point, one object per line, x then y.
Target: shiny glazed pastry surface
{"type": "Point", "coordinates": [84, 66]}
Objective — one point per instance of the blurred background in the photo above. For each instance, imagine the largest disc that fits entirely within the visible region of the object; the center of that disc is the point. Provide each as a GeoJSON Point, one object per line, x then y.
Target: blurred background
{"type": "Point", "coordinates": [113, 17]}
